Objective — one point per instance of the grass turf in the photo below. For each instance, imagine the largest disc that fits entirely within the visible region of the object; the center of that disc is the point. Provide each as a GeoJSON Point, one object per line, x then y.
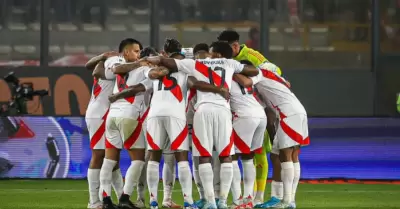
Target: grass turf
{"type": "Point", "coordinates": [73, 194]}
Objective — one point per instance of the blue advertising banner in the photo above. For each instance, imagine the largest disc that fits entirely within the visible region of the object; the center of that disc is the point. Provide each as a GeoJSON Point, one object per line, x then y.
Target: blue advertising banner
{"type": "Point", "coordinates": [58, 147]}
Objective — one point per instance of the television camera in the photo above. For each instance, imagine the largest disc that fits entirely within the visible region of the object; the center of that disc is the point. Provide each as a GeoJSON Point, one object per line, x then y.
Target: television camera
{"type": "Point", "coordinates": [21, 93]}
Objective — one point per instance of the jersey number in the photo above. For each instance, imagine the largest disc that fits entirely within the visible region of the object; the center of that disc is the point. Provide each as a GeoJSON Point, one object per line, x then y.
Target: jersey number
{"type": "Point", "coordinates": [211, 78]}
{"type": "Point", "coordinates": [246, 90]}
{"type": "Point", "coordinates": [169, 83]}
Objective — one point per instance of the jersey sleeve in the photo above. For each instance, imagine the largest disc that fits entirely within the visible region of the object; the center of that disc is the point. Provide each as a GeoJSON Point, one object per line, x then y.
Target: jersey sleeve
{"type": "Point", "coordinates": [186, 65]}
{"type": "Point", "coordinates": [109, 64]}
{"type": "Point", "coordinates": [237, 66]}
{"type": "Point", "coordinates": [146, 72]}
{"type": "Point", "coordinates": [256, 78]}
{"type": "Point", "coordinates": [148, 84]}
{"type": "Point", "coordinates": [255, 57]}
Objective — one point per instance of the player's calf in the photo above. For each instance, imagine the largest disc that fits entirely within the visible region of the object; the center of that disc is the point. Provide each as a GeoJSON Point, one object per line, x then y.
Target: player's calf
{"type": "Point", "coordinates": [287, 172]}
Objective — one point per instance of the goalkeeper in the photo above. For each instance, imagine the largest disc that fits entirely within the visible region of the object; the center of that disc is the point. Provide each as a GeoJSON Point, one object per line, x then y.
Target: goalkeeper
{"type": "Point", "coordinates": [242, 52]}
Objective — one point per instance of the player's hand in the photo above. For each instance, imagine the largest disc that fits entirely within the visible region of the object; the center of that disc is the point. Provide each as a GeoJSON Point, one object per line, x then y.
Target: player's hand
{"type": "Point", "coordinates": [224, 92]}
{"type": "Point", "coordinates": [288, 83]}
{"type": "Point", "coordinates": [155, 60]}
{"type": "Point", "coordinates": [107, 55]}
{"type": "Point", "coordinates": [112, 98]}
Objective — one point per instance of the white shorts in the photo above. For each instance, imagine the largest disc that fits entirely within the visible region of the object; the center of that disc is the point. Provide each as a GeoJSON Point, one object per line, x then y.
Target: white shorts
{"type": "Point", "coordinates": [159, 129]}
{"type": "Point", "coordinates": [292, 131]}
{"type": "Point", "coordinates": [96, 128]}
{"type": "Point", "coordinates": [248, 134]}
{"type": "Point", "coordinates": [212, 127]}
{"type": "Point", "coordinates": [124, 132]}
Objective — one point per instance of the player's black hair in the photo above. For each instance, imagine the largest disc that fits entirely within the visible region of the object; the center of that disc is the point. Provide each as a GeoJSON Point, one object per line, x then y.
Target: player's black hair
{"type": "Point", "coordinates": [246, 62]}
{"type": "Point", "coordinates": [223, 48]}
{"type": "Point", "coordinates": [128, 41]}
{"type": "Point", "coordinates": [200, 47]}
{"type": "Point", "coordinates": [229, 35]}
{"type": "Point", "coordinates": [172, 46]}
{"type": "Point", "coordinates": [148, 51]}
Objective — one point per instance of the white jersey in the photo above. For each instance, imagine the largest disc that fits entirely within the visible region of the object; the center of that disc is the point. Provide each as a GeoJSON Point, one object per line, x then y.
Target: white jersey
{"type": "Point", "coordinates": [217, 72]}
{"type": "Point", "coordinates": [169, 95]}
{"type": "Point", "coordinates": [99, 103]}
{"type": "Point", "coordinates": [243, 102]}
{"type": "Point", "coordinates": [275, 91]}
{"type": "Point", "coordinates": [130, 107]}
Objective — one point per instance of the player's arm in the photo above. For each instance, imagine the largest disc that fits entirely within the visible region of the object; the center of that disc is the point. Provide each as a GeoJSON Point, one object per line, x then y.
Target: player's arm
{"type": "Point", "coordinates": [206, 87]}
{"type": "Point", "coordinates": [249, 70]}
{"type": "Point", "coordinates": [158, 72]}
{"type": "Point", "coordinates": [91, 64]}
{"type": "Point", "coordinates": [271, 118]}
{"type": "Point", "coordinates": [128, 92]}
{"type": "Point", "coordinates": [186, 65]}
{"type": "Point", "coordinates": [243, 80]}
{"type": "Point", "coordinates": [128, 67]}
{"type": "Point", "coordinates": [99, 70]}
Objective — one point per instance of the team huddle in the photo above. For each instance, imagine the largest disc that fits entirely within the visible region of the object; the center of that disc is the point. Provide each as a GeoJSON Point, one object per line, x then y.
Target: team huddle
{"type": "Point", "coordinates": [212, 100]}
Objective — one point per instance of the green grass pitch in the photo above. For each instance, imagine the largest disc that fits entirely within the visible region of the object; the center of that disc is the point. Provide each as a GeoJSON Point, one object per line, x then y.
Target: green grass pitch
{"type": "Point", "coordinates": [73, 194]}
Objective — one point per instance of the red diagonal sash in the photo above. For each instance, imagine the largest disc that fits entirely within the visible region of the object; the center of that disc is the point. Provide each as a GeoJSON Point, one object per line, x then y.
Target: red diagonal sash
{"type": "Point", "coordinates": [203, 69]}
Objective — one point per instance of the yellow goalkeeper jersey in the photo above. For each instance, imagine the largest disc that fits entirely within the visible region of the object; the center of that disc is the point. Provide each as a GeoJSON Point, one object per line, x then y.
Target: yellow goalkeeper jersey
{"type": "Point", "coordinates": [255, 57]}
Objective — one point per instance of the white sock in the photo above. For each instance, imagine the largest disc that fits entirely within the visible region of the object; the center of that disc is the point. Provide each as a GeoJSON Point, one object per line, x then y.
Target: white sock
{"type": "Point", "coordinates": [106, 176]}
{"type": "Point", "coordinates": [196, 176]}
{"type": "Point", "coordinates": [117, 182]}
{"type": "Point", "coordinates": [185, 178]}
{"type": "Point", "coordinates": [93, 177]}
{"type": "Point", "coordinates": [226, 180]}
{"type": "Point", "coordinates": [207, 177]}
{"type": "Point", "coordinates": [249, 177]}
{"type": "Point", "coordinates": [236, 187]}
{"type": "Point", "coordinates": [168, 176]}
{"type": "Point", "coordinates": [153, 177]}
{"type": "Point", "coordinates": [296, 179]}
{"type": "Point", "coordinates": [216, 165]}
{"type": "Point", "coordinates": [141, 188]}
{"type": "Point", "coordinates": [132, 176]}
{"type": "Point", "coordinates": [277, 189]}
{"type": "Point", "coordinates": [287, 175]}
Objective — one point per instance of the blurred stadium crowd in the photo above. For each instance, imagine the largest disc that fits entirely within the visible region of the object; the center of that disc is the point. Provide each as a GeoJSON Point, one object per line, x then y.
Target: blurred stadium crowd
{"type": "Point", "coordinates": [296, 26]}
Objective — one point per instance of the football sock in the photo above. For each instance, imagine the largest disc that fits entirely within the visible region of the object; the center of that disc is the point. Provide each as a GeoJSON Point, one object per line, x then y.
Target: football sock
{"type": "Point", "coordinates": [287, 174]}
{"type": "Point", "coordinates": [277, 189]}
{"type": "Point", "coordinates": [141, 188]}
{"type": "Point", "coordinates": [117, 182]}
{"type": "Point", "coordinates": [207, 175]}
{"type": "Point", "coordinates": [261, 164]}
{"type": "Point", "coordinates": [236, 187]}
{"type": "Point", "coordinates": [168, 175]}
{"type": "Point", "coordinates": [185, 179]}
{"type": "Point", "coordinates": [93, 177]}
{"type": "Point", "coordinates": [153, 177]}
{"type": "Point", "coordinates": [226, 180]}
{"type": "Point", "coordinates": [249, 176]}
{"type": "Point", "coordinates": [106, 176]}
{"type": "Point", "coordinates": [132, 176]}
{"type": "Point", "coordinates": [296, 179]}
{"type": "Point", "coordinates": [196, 177]}
{"type": "Point", "coordinates": [216, 165]}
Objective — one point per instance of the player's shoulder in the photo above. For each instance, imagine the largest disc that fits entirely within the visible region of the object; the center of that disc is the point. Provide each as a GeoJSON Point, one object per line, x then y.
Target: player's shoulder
{"type": "Point", "coordinates": [114, 60]}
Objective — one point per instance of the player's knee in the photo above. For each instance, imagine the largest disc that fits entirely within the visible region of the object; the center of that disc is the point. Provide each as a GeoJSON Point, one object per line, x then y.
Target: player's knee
{"type": "Point", "coordinates": [247, 156]}
{"type": "Point", "coordinates": [137, 154]}
{"type": "Point", "coordinates": [285, 155]}
{"type": "Point", "coordinates": [155, 155]}
{"type": "Point", "coordinates": [97, 159]}
{"type": "Point", "coordinates": [203, 160]}
{"type": "Point", "coordinates": [181, 156]}
{"type": "Point", "coordinates": [225, 159]}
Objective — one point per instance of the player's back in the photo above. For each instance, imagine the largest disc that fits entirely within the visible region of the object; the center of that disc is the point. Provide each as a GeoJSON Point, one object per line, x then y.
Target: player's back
{"type": "Point", "coordinates": [128, 107]}
{"type": "Point", "coordinates": [277, 92]}
{"type": "Point", "coordinates": [99, 103]}
{"type": "Point", "coordinates": [169, 96]}
{"type": "Point", "coordinates": [243, 103]}
{"type": "Point", "coordinates": [217, 72]}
